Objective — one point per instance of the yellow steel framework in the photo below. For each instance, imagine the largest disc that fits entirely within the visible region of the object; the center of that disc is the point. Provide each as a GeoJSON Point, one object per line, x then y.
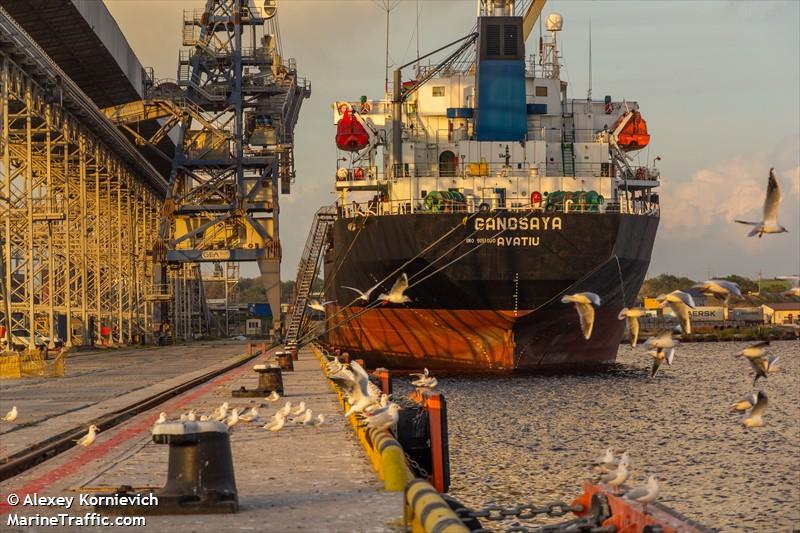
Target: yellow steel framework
{"type": "Point", "coordinates": [78, 226]}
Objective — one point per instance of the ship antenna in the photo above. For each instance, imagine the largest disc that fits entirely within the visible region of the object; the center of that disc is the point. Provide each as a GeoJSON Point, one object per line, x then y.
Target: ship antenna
{"type": "Point", "coordinates": [589, 95]}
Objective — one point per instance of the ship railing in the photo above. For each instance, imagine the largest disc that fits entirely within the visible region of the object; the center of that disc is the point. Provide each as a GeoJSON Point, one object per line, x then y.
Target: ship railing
{"type": "Point", "coordinates": [483, 168]}
{"type": "Point", "coordinates": [510, 204]}
{"type": "Point", "coordinates": [551, 135]}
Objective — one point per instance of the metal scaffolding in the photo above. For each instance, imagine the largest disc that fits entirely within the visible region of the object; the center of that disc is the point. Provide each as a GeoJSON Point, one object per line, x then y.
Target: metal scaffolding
{"type": "Point", "coordinates": [77, 219]}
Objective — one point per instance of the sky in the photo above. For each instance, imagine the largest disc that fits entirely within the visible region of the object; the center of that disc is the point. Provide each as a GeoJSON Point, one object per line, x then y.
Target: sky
{"type": "Point", "coordinates": [717, 81]}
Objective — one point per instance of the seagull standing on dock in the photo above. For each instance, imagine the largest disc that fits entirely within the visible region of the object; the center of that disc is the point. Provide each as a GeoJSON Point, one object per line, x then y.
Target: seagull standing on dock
{"type": "Point", "coordinates": [362, 295]}
{"type": "Point", "coordinates": [302, 419]}
{"type": "Point", "coordinates": [250, 415]}
{"type": "Point", "coordinates": [769, 219]}
{"type": "Point", "coordinates": [632, 315]}
{"type": "Point", "coordinates": [584, 302]}
{"type": "Point", "coordinates": [396, 295]}
{"type": "Point", "coordinates": [88, 439]}
{"type": "Point", "coordinates": [233, 418]}
{"type": "Point", "coordinates": [680, 302]}
{"type": "Point", "coordinates": [162, 417]}
{"type": "Point", "coordinates": [319, 421]}
{"type": "Point", "coordinates": [754, 418]}
{"type": "Point", "coordinates": [301, 408]}
{"type": "Point", "coordinates": [286, 410]}
{"type": "Point", "coordinates": [222, 412]}
{"type": "Point", "coordinates": [273, 397]}
{"type": "Point", "coordinates": [645, 494]}
{"type": "Point", "coordinates": [745, 403]}
{"type": "Point", "coordinates": [720, 288]}
{"type": "Point", "coordinates": [11, 415]}
{"type": "Point", "coordinates": [277, 422]}
{"type": "Point", "coordinates": [358, 393]}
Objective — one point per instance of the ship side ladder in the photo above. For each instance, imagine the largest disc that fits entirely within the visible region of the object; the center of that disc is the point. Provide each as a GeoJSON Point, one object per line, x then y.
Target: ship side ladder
{"type": "Point", "coordinates": [307, 270]}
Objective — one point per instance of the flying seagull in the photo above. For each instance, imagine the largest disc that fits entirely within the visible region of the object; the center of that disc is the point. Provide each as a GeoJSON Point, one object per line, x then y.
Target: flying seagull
{"type": "Point", "coordinates": [88, 439]}
{"type": "Point", "coordinates": [795, 288]}
{"type": "Point", "coordinates": [358, 392]}
{"type": "Point", "coordinates": [745, 403]}
{"type": "Point", "coordinates": [316, 306]}
{"type": "Point", "coordinates": [762, 362]}
{"type": "Point", "coordinates": [769, 222]}
{"type": "Point", "coordinates": [633, 316]}
{"type": "Point", "coordinates": [720, 288]}
{"type": "Point", "coordinates": [754, 417]}
{"type": "Point", "coordinates": [644, 494]}
{"type": "Point", "coordinates": [11, 415]}
{"type": "Point", "coordinates": [680, 302]}
{"type": "Point", "coordinates": [425, 380]}
{"type": "Point", "coordinates": [362, 295]}
{"type": "Point", "coordinates": [396, 295]}
{"type": "Point", "coordinates": [662, 348]}
{"type": "Point", "coordinates": [583, 304]}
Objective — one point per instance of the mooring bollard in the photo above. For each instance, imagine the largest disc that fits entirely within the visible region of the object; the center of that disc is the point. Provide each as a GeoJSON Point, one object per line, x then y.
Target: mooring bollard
{"type": "Point", "coordinates": [263, 348]}
{"type": "Point", "coordinates": [200, 476]}
{"type": "Point", "coordinates": [269, 379]}
{"type": "Point", "coordinates": [249, 348]}
{"type": "Point", "coordinates": [285, 360]}
{"type": "Point", "coordinates": [294, 352]}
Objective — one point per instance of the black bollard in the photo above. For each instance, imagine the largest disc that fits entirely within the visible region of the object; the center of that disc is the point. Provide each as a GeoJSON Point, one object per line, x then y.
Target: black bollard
{"type": "Point", "coordinates": [285, 360]}
{"type": "Point", "coordinates": [269, 379]}
{"type": "Point", "coordinates": [200, 476]}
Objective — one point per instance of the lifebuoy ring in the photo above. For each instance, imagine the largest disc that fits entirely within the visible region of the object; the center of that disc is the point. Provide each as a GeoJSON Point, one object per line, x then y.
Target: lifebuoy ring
{"type": "Point", "coordinates": [640, 173]}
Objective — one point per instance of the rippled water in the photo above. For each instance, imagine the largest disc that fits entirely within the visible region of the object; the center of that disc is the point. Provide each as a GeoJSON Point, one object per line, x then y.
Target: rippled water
{"type": "Point", "coordinates": [529, 438]}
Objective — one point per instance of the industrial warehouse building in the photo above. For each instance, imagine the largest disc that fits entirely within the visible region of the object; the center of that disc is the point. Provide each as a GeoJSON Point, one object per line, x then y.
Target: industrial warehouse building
{"type": "Point", "coordinates": [782, 313]}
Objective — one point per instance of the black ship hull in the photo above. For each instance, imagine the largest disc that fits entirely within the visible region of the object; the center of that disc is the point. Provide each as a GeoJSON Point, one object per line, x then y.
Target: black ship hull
{"type": "Point", "coordinates": [486, 288]}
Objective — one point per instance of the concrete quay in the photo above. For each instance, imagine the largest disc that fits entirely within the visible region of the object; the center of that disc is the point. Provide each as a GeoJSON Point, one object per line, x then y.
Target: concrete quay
{"type": "Point", "coordinates": [301, 478]}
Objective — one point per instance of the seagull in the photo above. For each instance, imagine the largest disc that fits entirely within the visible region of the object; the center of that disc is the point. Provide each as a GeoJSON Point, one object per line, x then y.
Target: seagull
{"type": "Point", "coordinates": [772, 201]}
{"type": "Point", "coordinates": [633, 316]}
{"type": "Point", "coordinates": [204, 418]}
{"type": "Point", "coordinates": [191, 416]}
{"type": "Point", "coordinates": [745, 403]}
{"type": "Point", "coordinates": [754, 417]}
{"type": "Point", "coordinates": [362, 295]}
{"type": "Point", "coordinates": [301, 408]}
{"type": "Point", "coordinates": [795, 288]}
{"type": "Point", "coordinates": [644, 494]}
{"type": "Point", "coordinates": [358, 392]}
{"type": "Point", "coordinates": [425, 373]}
{"type": "Point", "coordinates": [11, 415]}
{"type": "Point", "coordinates": [233, 418]}
{"type": "Point", "coordinates": [162, 417]}
{"type": "Point", "coordinates": [250, 415]}
{"type": "Point", "coordinates": [758, 358]}
{"type": "Point", "coordinates": [88, 439]}
{"type": "Point", "coordinates": [302, 420]}
{"type": "Point", "coordinates": [606, 459]}
{"type": "Point", "coordinates": [680, 302]}
{"type": "Point", "coordinates": [273, 397]}
{"type": "Point", "coordinates": [583, 304]}
{"type": "Point", "coordinates": [286, 409]}
{"type": "Point", "coordinates": [617, 477]}
{"type": "Point", "coordinates": [222, 412]}
{"type": "Point", "coordinates": [720, 288]}
{"type": "Point", "coordinates": [662, 348]}
{"type": "Point", "coordinates": [396, 295]}
{"type": "Point", "coordinates": [277, 423]}
{"type": "Point", "coordinates": [383, 418]}
{"type": "Point", "coordinates": [316, 306]}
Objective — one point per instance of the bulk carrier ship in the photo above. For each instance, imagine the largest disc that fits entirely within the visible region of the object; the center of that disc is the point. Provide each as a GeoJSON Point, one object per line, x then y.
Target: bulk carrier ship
{"type": "Point", "coordinates": [496, 194]}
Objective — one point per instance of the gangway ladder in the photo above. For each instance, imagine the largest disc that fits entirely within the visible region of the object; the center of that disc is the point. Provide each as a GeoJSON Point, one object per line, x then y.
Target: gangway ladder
{"type": "Point", "coordinates": [568, 145]}
{"type": "Point", "coordinates": [307, 271]}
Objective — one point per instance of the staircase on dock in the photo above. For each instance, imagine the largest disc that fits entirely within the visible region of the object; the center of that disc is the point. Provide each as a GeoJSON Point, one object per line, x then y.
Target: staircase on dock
{"type": "Point", "coordinates": [307, 271]}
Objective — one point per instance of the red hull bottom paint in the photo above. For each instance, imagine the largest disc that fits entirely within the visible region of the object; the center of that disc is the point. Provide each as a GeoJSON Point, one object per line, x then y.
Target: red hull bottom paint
{"type": "Point", "coordinates": [462, 340]}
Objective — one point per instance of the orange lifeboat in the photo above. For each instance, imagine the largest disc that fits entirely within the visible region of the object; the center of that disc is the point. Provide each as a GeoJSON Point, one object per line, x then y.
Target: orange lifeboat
{"type": "Point", "coordinates": [350, 134]}
{"type": "Point", "coordinates": [634, 134]}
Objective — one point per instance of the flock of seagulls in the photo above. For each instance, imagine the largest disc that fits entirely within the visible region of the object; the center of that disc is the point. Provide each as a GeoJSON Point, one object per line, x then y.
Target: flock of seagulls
{"type": "Point", "coordinates": [293, 414]}
{"type": "Point", "coordinates": [615, 471]}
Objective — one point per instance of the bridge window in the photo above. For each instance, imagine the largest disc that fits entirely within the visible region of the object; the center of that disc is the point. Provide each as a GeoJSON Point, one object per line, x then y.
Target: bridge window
{"type": "Point", "coordinates": [437, 90]}
{"type": "Point", "coordinates": [541, 90]}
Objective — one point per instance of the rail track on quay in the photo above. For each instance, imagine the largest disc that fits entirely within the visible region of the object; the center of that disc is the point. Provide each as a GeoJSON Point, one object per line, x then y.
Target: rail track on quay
{"type": "Point", "coordinates": [50, 447]}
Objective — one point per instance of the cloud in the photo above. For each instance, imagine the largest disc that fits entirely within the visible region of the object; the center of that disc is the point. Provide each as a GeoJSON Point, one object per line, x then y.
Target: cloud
{"type": "Point", "coordinates": [697, 231]}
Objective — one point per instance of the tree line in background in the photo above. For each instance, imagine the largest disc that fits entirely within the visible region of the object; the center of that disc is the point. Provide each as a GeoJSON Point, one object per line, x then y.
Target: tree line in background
{"type": "Point", "coordinates": [251, 290]}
